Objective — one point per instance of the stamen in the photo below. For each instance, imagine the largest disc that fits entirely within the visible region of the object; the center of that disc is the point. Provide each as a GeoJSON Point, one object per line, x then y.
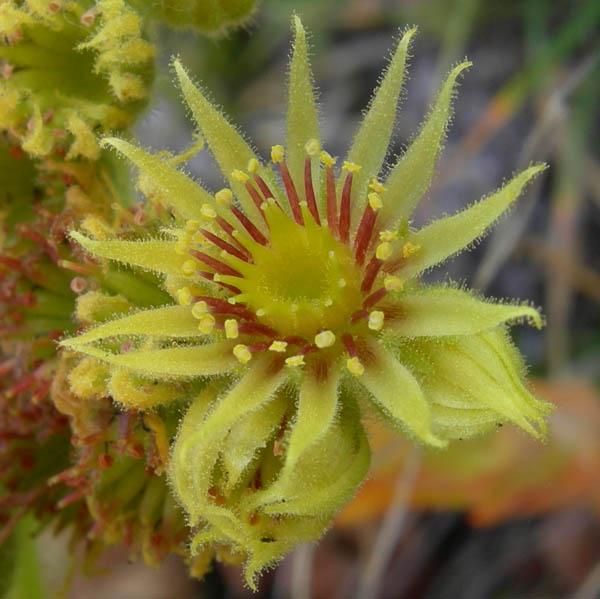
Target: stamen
{"type": "Point", "coordinates": [206, 324]}
{"type": "Point", "coordinates": [375, 322]}
{"type": "Point", "coordinates": [258, 201]}
{"type": "Point", "coordinates": [188, 268]}
{"type": "Point", "coordinates": [208, 212]}
{"type": "Point", "coordinates": [184, 296]}
{"type": "Point", "coordinates": [392, 283]}
{"type": "Point", "coordinates": [278, 346]}
{"type": "Point", "coordinates": [230, 231]}
{"type": "Point", "coordinates": [309, 190]}
{"type": "Point", "coordinates": [345, 207]}
{"type": "Point", "coordinates": [330, 192]}
{"type": "Point", "coordinates": [231, 329]}
{"type": "Point", "coordinates": [242, 353]}
{"type": "Point", "coordinates": [384, 250]}
{"type": "Point", "coordinates": [191, 226]}
{"type": "Point", "coordinates": [224, 197]}
{"type": "Point", "coordinates": [220, 306]}
{"type": "Point", "coordinates": [370, 274]}
{"type": "Point", "coordinates": [290, 191]}
{"type": "Point", "coordinates": [375, 201]}
{"type": "Point", "coordinates": [376, 186]}
{"type": "Point", "coordinates": [388, 235]}
{"type": "Point", "coordinates": [222, 244]}
{"type": "Point", "coordinates": [253, 165]}
{"type": "Point", "coordinates": [277, 153]}
{"type": "Point", "coordinates": [355, 366]}
{"type": "Point", "coordinates": [210, 276]}
{"type": "Point", "coordinates": [349, 344]}
{"type": "Point", "coordinates": [256, 328]}
{"type": "Point", "coordinates": [408, 249]}
{"type": "Point", "coordinates": [249, 226]}
{"type": "Point", "coordinates": [199, 309]}
{"type": "Point", "coordinates": [295, 361]}
{"type": "Point", "coordinates": [374, 298]}
{"type": "Point", "coordinates": [217, 265]}
{"type": "Point", "coordinates": [264, 188]}
{"type": "Point", "coordinates": [363, 234]}
{"type": "Point", "coordinates": [324, 339]}
{"type": "Point", "coordinates": [239, 176]}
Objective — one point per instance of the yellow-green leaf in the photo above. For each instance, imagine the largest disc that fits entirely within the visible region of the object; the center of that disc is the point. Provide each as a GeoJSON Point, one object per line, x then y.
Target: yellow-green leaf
{"type": "Point", "coordinates": [411, 176]}
{"type": "Point", "coordinates": [447, 236]}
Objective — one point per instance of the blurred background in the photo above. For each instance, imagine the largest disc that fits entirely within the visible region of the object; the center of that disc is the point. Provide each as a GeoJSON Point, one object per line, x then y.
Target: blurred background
{"type": "Point", "coordinates": [501, 516]}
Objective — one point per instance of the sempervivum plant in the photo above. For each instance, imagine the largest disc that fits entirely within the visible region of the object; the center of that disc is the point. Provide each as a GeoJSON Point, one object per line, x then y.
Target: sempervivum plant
{"type": "Point", "coordinates": [70, 70]}
{"type": "Point", "coordinates": [296, 295]}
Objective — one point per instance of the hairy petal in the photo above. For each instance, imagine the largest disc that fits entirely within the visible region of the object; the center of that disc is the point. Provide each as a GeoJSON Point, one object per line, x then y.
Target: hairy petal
{"type": "Point", "coordinates": [411, 176]}
{"type": "Point", "coordinates": [200, 360]}
{"type": "Point", "coordinates": [447, 236]}
{"type": "Point", "coordinates": [302, 113]}
{"type": "Point", "coordinates": [154, 254]}
{"type": "Point", "coordinates": [160, 179]}
{"type": "Point", "coordinates": [228, 146]}
{"type": "Point", "coordinates": [441, 311]}
{"type": "Point", "coordinates": [396, 391]}
{"type": "Point", "coordinates": [168, 321]}
{"type": "Point", "coordinates": [372, 139]}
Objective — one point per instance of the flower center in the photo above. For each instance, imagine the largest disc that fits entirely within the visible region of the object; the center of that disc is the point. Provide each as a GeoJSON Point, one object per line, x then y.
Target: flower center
{"type": "Point", "coordinates": [303, 282]}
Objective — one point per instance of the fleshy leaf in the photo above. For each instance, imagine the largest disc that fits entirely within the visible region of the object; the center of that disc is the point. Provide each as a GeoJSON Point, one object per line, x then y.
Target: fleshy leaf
{"type": "Point", "coordinates": [249, 435]}
{"type": "Point", "coordinates": [302, 114]}
{"type": "Point", "coordinates": [442, 311]}
{"type": "Point", "coordinates": [396, 391]}
{"type": "Point", "coordinates": [411, 177]}
{"type": "Point", "coordinates": [446, 236]}
{"type": "Point", "coordinates": [153, 254]}
{"type": "Point", "coordinates": [198, 444]}
{"type": "Point", "coordinates": [372, 139]}
{"type": "Point", "coordinates": [168, 321]}
{"type": "Point", "coordinates": [200, 360]}
{"type": "Point", "coordinates": [171, 186]}
{"type": "Point", "coordinates": [312, 487]}
{"type": "Point", "coordinates": [317, 407]}
{"type": "Point", "coordinates": [230, 149]}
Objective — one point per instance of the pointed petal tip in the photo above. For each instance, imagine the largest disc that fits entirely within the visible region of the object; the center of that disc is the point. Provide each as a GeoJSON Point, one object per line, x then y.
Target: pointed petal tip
{"type": "Point", "coordinates": [297, 25]}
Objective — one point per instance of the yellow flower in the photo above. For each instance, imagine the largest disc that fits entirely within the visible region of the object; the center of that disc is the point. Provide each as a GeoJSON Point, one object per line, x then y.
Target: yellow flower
{"type": "Point", "coordinates": [317, 314]}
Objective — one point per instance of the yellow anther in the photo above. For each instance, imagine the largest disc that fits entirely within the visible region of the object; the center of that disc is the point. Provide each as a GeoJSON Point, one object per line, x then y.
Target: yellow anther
{"type": "Point", "coordinates": [216, 278]}
{"type": "Point", "coordinates": [191, 226]}
{"type": "Point", "coordinates": [253, 165]}
{"type": "Point", "coordinates": [242, 353]}
{"type": "Point", "coordinates": [224, 197]}
{"type": "Point", "coordinates": [206, 324]}
{"type": "Point", "coordinates": [384, 251]}
{"type": "Point", "coordinates": [277, 153]}
{"type": "Point", "coordinates": [260, 312]}
{"type": "Point", "coordinates": [376, 320]}
{"type": "Point", "coordinates": [350, 167]}
{"type": "Point", "coordinates": [376, 186]}
{"type": "Point", "coordinates": [208, 212]}
{"type": "Point", "coordinates": [188, 268]}
{"type": "Point", "coordinates": [354, 366]}
{"type": "Point", "coordinates": [182, 245]}
{"type": "Point", "coordinates": [278, 346]}
{"type": "Point", "coordinates": [199, 309]}
{"type": "Point", "coordinates": [342, 283]}
{"type": "Point", "coordinates": [393, 283]}
{"type": "Point", "coordinates": [239, 176]}
{"type": "Point", "coordinates": [231, 329]}
{"type": "Point", "coordinates": [312, 146]}
{"type": "Point", "coordinates": [324, 339]}
{"type": "Point", "coordinates": [328, 302]}
{"type": "Point", "coordinates": [184, 296]}
{"type": "Point", "coordinates": [295, 361]}
{"type": "Point", "coordinates": [408, 249]}
{"type": "Point", "coordinates": [326, 158]}
{"type": "Point", "coordinates": [231, 300]}
{"type": "Point", "coordinates": [375, 201]}
{"type": "Point", "coordinates": [388, 235]}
